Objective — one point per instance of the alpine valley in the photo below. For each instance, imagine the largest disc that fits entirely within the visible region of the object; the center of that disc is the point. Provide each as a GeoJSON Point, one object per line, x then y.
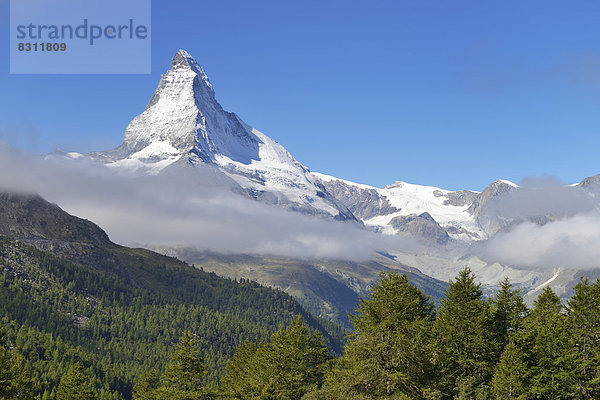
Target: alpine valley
{"type": "Point", "coordinates": [183, 129]}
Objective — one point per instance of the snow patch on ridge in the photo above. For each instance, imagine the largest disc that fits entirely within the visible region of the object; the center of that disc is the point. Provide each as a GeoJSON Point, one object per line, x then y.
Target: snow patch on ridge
{"type": "Point", "coordinates": [329, 178]}
{"type": "Point", "coordinates": [509, 183]}
{"type": "Point", "coordinates": [417, 199]}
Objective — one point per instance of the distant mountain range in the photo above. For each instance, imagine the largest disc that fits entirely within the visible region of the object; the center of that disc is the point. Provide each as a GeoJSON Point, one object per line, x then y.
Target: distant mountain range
{"type": "Point", "coordinates": [184, 126]}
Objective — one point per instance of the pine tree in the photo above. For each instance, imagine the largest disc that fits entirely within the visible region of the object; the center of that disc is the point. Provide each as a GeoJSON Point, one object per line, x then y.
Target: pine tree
{"type": "Point", "coordinates": [46, 395]}
{"type": "Point", "coordinates": [145, 386]}
{"type": "Point", "coordinates": [6, 371]}
{"type": "Point", "coordinates": [293, 363]}
{"type": "Point", "coordinates": [509, 381]}
{"type": "Point", "coordinates": [317, 361]}
{"type": "Point", "coordinates": [465, 346]}
{"type": "Point", "coordinates": [183, 375]}
{"type": "Point", "coordinates": [469, 388]}
{"type": "Point", "coordinates": [584, 329]}
{"type": "Point", "coordinates": [75, 385]}
{"type": "Point", "coordinates": [546, 339]}
{"type": "Point", "coordinates": [387, 355]}
{"type": "Point", "coordinates": [239, 381]}
{"type": "Point", "coordinates": [14, 382]}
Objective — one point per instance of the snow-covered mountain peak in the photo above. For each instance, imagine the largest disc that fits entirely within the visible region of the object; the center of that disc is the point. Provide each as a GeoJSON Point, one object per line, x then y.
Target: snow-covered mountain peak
{"type": "Point", "coordinates": [184, 114]}
{"type": "Point", "coordinates": [183, 60]}
{"type": "Point", "coordinates": [184, 125]}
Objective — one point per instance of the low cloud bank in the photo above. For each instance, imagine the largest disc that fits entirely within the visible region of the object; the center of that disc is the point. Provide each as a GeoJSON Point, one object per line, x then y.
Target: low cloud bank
{"type": "Point", "coordinates": [195, 207]}
{"type": "Point", "coordinates": [181, 209]}
{"type": "Point", "coordinates": [544, 196]}
{"type": "Point", "coordinates": [571, 243]}
{"type": "Point", "coordinates": [559, 227]}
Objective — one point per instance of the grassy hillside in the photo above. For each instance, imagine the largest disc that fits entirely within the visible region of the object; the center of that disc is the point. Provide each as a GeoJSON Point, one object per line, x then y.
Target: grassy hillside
{"type": "Point", "coordinates": [327, 288]}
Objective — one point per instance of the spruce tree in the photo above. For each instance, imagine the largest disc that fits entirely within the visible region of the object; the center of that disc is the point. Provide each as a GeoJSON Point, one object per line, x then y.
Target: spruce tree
{"type": "Point", "coordinates": [465, 340]}
{"type": "Point", "coordinates": [510, 376]}
{"type": "Point", "coordinates": [387, 355]}
{"type": "Point", "coordinates": [509, 311]}
{"type": "Point", "coordinates": [584, 329]}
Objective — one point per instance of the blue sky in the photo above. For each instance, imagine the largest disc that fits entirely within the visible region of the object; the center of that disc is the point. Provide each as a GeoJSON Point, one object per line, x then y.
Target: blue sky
{"type": "Point", "coordinates": [451, 94]}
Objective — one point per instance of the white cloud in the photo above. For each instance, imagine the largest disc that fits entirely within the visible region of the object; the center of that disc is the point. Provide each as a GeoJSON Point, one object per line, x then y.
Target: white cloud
{"type": "Point", "coordinates": [572, 242]}
{"type": "Point", "coordinates": [182, 210]}
{"type": "Point", "coordinates": [554, 225]}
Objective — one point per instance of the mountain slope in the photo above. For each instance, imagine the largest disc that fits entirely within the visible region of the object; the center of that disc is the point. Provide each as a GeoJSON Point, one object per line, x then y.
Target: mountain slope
{"type": "Point", "coordinates": [325, 287]}
{"type": "Point", "coordinates": [464, 215]}
{"type": "Point", "coordinates": [31, 218]}
{"type": "Point", "coordinates": [118, 309]}
{"type": "Point", "coordinates": [378, 207]}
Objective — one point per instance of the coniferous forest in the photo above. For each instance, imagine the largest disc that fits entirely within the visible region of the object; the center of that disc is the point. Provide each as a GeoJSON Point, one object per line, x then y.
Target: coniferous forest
{"type": "Point", "coordinates": [401, 347]}
{"type": "Point", "coordinates": [84, 318]}
{"type": "Point", "coordinates": [62, 323]}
